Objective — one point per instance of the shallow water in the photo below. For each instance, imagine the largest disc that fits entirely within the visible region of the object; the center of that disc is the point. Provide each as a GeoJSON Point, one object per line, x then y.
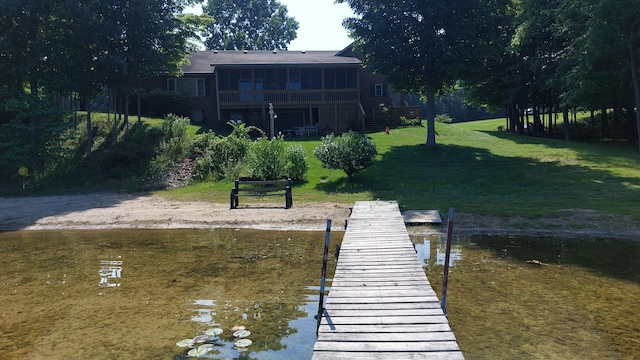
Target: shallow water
{"type": "Point", "coordinates": [541, 298]}
{"type": "Point", "coordinates": [133, 294]}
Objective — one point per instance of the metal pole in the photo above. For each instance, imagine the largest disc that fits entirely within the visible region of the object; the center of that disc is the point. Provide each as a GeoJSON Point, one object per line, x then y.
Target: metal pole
{"type": "Point", "coordinates": [325, 259]}
{"type": "Point", "coordinates": [445, 277]}
{"type": "Point", "coordinates": [271, 121]}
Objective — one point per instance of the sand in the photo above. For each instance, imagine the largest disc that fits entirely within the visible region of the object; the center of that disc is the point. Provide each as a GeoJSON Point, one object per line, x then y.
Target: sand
{"type": "Point", "coordinates": [135, 211]}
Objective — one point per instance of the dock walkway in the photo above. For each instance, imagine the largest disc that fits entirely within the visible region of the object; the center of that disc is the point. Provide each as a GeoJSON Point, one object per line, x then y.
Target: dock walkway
{"type": "Point", "coordinates": [381, 305]}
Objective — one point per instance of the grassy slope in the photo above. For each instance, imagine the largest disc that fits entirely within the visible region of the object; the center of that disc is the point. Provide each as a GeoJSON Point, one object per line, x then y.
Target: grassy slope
{"type": "Point", "coordinates": [474, 169]}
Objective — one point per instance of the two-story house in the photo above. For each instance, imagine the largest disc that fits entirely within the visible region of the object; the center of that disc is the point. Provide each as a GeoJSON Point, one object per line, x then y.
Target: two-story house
{"type": "Point", "coordinates": [326, 90]}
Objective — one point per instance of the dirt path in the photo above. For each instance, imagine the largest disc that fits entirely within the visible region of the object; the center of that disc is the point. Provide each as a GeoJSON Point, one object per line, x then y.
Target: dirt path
{"type": "Point", "coordinates": [109, 210]}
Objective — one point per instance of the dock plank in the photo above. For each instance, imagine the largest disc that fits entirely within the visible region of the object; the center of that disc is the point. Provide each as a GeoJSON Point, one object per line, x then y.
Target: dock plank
{"type": "Point", "coordinates": [381, 304]}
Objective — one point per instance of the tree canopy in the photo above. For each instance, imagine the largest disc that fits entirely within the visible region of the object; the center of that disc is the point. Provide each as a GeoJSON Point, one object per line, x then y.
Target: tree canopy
{"type": "Point", "coordinates": [62, 47]}
{"type": "Point", "coordinates": [421, 46]}
{"type": "Point", "coordinates": [248, 25]}
{"type": "Point", "coordinates": [514, 54]}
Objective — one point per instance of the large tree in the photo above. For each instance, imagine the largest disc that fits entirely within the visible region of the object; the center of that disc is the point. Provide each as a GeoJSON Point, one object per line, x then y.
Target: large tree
{"type": "Point", "coordinates": [421, 46]}
{"type": "Point", "coordinates": [248, 25]}
{"type": "Point", "coordinates": [84, 46]}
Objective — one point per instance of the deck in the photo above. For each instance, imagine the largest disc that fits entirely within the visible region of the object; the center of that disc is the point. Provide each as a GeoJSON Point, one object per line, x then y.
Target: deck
{"type": "Point", "coordinates": [381, 305]}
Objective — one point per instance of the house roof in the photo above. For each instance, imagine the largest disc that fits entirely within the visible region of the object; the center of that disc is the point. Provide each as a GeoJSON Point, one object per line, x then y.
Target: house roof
{"type": "Point", "coordinates": [204, 61]}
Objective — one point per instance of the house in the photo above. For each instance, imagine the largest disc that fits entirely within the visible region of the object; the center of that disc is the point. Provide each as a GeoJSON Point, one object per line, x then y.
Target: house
{"type": "Point", "coordinates": [327, 91]}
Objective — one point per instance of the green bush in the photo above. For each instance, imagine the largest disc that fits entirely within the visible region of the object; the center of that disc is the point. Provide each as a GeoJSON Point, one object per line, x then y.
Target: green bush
{"type": "Point", "coordinates": [297, 165]}
{"type": "Point", "coordinates": [349, 152]}
{"type": "Point", "coordinates": [410, 122]}
{"type": "Point", "coordinates": [444, 118]}
{"type": "Point", "coordinates": [220, 157]}
{"type": "Point", "coordinates": [175, 144]}
{"type": "Point", "coordinates": [267, 159]}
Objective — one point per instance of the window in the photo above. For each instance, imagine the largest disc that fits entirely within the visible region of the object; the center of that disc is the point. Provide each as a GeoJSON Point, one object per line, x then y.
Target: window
{"type": "Point", "coordinates": [341, 78]}
{"type": "Point", "coordinates": [379, 90]}
{"type": "Point", "coordinates": [191, 86]}
{"type": "Point", "coordinates": [295, 82]}
{"type": "Point", "coordinates": [259, 87]}
{"type": "Point", "coordinates": [352, 79]}
{"type": "Point", "coordinates": [329, 78]}
{"type": "Point", "coordinates": [244, 86]}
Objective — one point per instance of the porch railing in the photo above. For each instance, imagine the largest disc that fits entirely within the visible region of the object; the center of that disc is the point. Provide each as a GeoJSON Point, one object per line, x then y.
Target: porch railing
{"type": "Point", "coordinates": [292, 96]}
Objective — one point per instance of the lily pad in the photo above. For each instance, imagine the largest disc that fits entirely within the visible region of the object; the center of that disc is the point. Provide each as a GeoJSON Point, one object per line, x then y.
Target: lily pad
{"type": "Point", "coordinates": [185, 343]}
{"type": "Point", "coordinates": [199, 351]}
{"type": "Point", "coordinates": [210, 347]}
{"type": "Point", "coordinates": [201, 338]}
{"type": "Point", "coordinates": [243, 343]}
{"type": "Point", "coordinates": [214, 332]}
{"type": "Point", "coordinates": [242, 333]}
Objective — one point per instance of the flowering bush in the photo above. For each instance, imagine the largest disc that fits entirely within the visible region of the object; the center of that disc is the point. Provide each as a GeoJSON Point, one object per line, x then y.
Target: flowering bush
{"type": "Point", "coordinates": [349, 152]}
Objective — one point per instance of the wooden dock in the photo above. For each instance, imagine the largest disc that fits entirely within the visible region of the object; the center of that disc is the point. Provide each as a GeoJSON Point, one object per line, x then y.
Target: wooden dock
{"type": "Point", "coordinates": [381, 305]}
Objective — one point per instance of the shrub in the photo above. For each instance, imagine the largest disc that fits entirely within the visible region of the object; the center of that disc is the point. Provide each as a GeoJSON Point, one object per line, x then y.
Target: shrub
{"type": "Point", "coordinates": [349, 152]}
{"type": "Point", "coordinates": [443, 118]}
{"type": "Point", "coordinates": [175, 144]}
{"type": "Point", "coordinates": [410, 122]}
{"type": "Point", "coordinates": [267, 159]}
{"type": "Point", "coordinates": [218, 156]}
{"type": "Point", "coordinates": [297, 165]}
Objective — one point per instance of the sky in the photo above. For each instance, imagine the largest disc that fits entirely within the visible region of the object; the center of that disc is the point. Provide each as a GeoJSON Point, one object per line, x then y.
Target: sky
{"type": "Point", "coordinates": [320, 24]}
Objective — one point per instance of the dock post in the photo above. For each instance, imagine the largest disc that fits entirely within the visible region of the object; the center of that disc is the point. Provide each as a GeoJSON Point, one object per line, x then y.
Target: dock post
{"type": "Point", "coordinates": [325, 259]}
{"type": "Point", "coordinates": [445, 277]}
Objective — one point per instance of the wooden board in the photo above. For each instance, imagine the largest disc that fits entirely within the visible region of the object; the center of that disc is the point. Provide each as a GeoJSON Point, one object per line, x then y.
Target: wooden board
{"type": "Point", "coordinates": [381, 305]}
{"type": "Point", "coordinates": [420, 217]}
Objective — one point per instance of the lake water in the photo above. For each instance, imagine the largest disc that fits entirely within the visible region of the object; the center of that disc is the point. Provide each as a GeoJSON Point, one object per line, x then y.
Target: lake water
{"type": "Point", "coordinates": [135, 294]}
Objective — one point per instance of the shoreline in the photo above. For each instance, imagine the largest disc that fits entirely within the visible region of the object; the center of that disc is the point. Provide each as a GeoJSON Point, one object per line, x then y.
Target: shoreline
{"type": "Point", "coordinates": [140, 211]}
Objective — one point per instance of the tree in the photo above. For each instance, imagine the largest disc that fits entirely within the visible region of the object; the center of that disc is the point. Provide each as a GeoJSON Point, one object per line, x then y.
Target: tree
{"type": "Point", "coordinates": [84, 46]}
{"type": "Point", "coordinates": [248, 25]}
{"type": "Point", "coordinates": [421, 46]}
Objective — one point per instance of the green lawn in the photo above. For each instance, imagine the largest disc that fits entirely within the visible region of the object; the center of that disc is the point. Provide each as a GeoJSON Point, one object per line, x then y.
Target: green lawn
{"type": "Point", "coordinates": [475, 169]}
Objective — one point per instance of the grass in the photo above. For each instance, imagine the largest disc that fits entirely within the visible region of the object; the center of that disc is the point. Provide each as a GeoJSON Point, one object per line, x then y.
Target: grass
{"type": "Point", "coordinates": [475, 169]}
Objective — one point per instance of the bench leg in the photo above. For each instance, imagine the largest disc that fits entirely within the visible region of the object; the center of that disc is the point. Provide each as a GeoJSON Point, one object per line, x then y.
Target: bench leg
{"type": "Point", "coordinates": [232, 202]}
{"type": "Point", "coordinates": [288, 198]}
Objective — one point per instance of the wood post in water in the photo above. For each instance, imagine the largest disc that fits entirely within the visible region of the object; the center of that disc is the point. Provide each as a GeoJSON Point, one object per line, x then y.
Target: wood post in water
{"type": "Point", "coordinates": [325, 259]}
{"type": "Point", "coordinates": [445, 277]}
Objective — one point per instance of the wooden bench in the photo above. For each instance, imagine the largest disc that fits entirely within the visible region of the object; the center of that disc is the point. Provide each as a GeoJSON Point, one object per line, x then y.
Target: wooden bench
{"type": "Point", "coordinates": [250, 187]}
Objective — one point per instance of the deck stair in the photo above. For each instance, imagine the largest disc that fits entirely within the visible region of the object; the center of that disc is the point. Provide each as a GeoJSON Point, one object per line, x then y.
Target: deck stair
{"type": "Point", "coordinates": [370, 123]}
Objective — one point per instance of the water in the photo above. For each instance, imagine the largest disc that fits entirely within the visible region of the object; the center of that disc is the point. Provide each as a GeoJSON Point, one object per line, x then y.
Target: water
{"type": "Point", "coordinates": [545, 298]}
{"type": "Point", "coordinates": [133, 294]}
{"type": "Point", "coordinates": [121, 294]}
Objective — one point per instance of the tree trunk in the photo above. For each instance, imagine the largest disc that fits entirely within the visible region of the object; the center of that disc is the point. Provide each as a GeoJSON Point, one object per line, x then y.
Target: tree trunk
{"type": "Point", "coordinates": [431, 116]}
{"type": "Point", "coordinates": [567, 123]}
{"type": "Point", "coordinates": [34, 132]}
{"type": "Point", "coordinates": [126, 108]}
{"type": "Point", "coordinates": [636, 86]}
{"type": "Point", "coordinates": [89, 127]}
{"type": "Point", "coordinates": [604, 123]}
{"type": "Point", "coordinates": [138, 104]}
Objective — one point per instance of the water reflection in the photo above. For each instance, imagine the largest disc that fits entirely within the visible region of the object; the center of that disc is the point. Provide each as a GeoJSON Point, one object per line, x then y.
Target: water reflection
{"type": "Point", "coordinates": [518, 297]}
{"type": "Point", "coordinates": [179, 284]}
{"type": "Point", "coordinates": [110, 270]}
{"type": "Point", "coordinates": [204, 315]}
{"type": "Point", "coordinates": [422, 245]}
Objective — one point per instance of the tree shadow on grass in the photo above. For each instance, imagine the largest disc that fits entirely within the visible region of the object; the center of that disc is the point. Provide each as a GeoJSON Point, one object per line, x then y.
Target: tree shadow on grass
{"type": "Point", "coordinates": [475, 180]}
